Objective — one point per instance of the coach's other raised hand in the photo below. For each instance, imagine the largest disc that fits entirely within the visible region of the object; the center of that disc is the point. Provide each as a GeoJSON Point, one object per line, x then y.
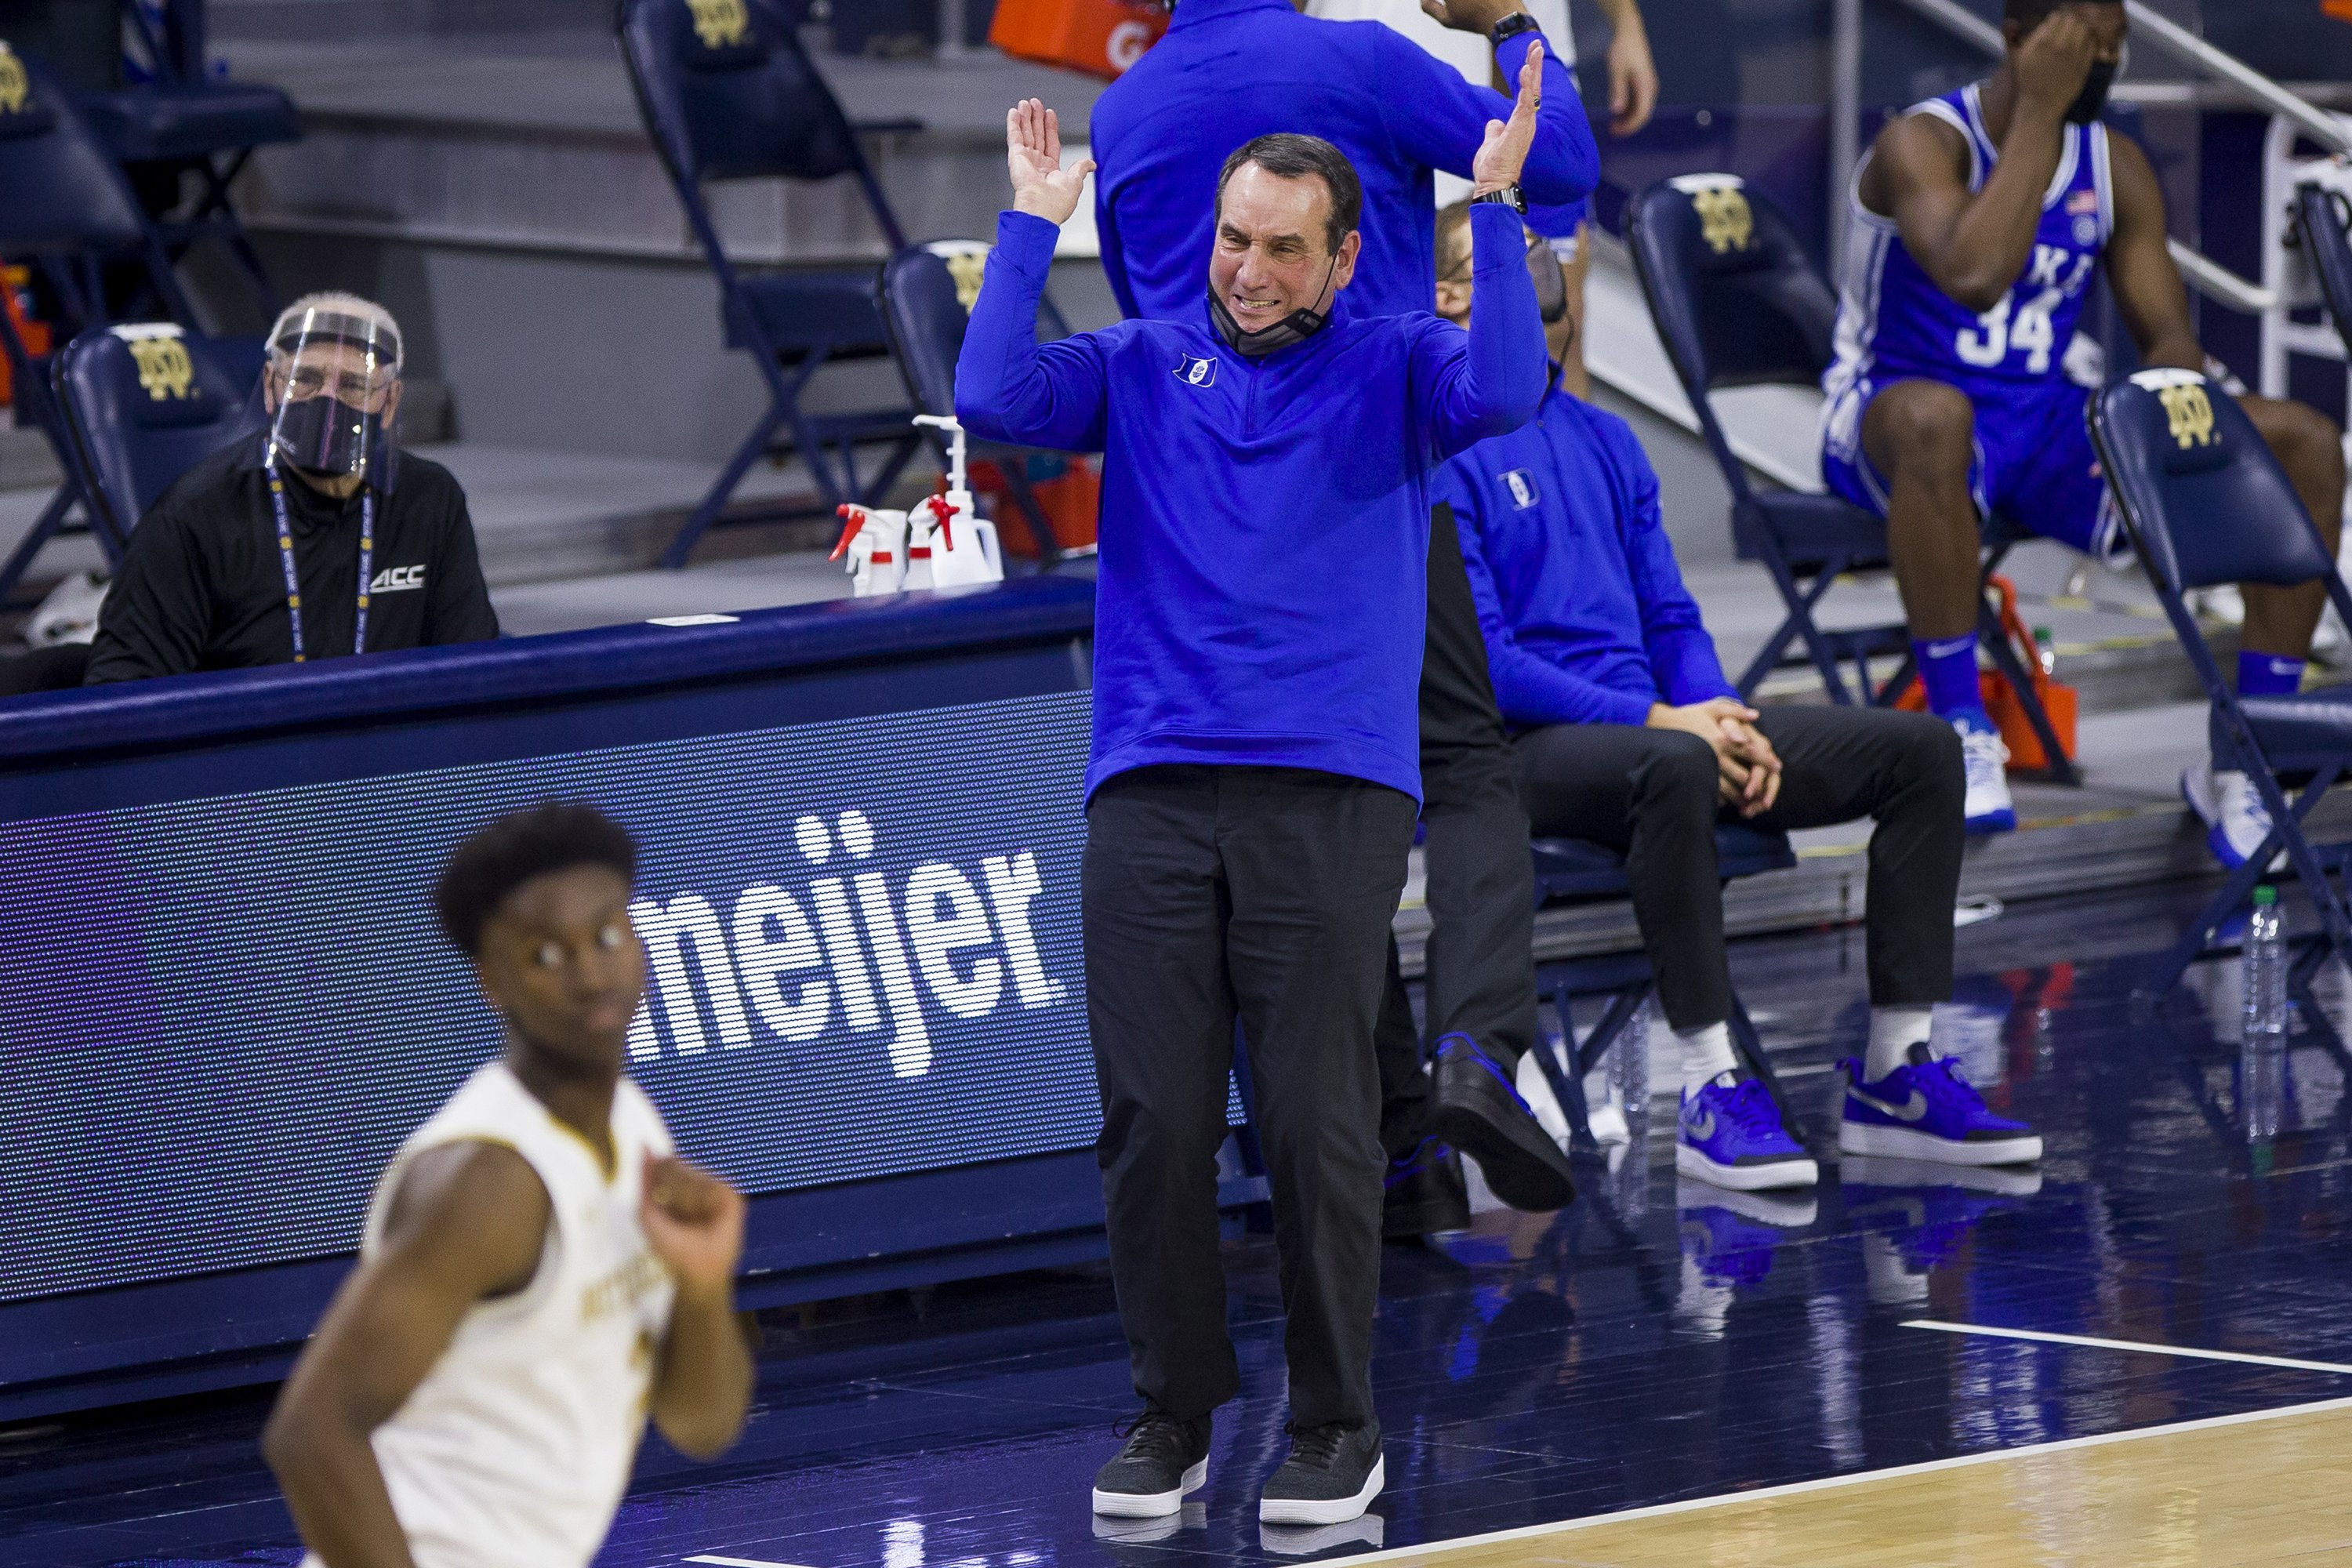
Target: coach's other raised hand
{"type": "Point", "coordinates": [1033, 152]}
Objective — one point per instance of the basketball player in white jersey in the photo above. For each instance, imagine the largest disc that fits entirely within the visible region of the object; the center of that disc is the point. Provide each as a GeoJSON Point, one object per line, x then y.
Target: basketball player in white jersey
{"type": "Point", "coordinates": [539, 1272]}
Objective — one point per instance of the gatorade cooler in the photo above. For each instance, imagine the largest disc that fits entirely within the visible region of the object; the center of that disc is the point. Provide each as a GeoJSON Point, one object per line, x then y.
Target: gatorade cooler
{"type": "Point", "coordinates": [1100, 37]}
{"type": "Point", "coordinates": [16, 284]}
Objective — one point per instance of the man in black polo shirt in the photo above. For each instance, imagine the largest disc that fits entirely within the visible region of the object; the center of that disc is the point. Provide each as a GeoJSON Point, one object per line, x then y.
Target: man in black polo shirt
{"type": "Point", "coordinates": [320, 539]}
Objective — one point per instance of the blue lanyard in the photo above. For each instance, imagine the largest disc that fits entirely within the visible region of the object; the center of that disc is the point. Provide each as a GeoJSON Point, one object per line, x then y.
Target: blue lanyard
{"type": "Point", "coordinates": [286, 556]}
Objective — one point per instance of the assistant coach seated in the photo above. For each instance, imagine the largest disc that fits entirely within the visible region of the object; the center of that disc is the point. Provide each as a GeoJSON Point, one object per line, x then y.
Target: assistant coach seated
{"type": "Point", "coordinates": [1633, 737]}
{"type": "Point", "coordinates": [317, 539]}
{"type": "Point", "coordinates": [1255, 769]}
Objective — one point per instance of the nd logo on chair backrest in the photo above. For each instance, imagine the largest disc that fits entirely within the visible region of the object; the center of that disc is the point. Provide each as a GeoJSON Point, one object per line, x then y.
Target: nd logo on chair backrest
{"type": "Point", "coordinates": [966, 267]}
{"type": "Point", "coordinates": [165, 372]}
{"type": "Point", "coordinates": [15, 86]}
{"type": "Point", "coordinates": [1725, 222]}
{"type": "Point", "coordinates": [2190, 413]}
{"type": "Point", "coordinates": [720, 24]}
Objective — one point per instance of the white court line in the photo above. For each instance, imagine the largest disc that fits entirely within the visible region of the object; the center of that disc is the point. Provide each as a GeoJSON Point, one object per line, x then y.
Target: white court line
{"type": "Point", "coordinates": [1827, 1483]}
{"type": "Point", "coordinates": [741, 1563]}
{"type": "Point", "coordinates": [2125, 1346]}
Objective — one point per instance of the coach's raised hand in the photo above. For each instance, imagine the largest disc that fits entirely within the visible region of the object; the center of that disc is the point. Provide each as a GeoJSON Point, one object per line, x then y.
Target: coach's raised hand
{"type": "Point", "coordinates": [1033, 152]}
{"type": "Point", "coordinates": [1505, 151]}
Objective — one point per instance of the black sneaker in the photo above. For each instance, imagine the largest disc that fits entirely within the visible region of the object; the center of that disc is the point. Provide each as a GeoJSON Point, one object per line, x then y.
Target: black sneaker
{"type": "Point", "coordinates": [1475, 1107]}
{"type": "Point", "coordinates": [1332, 1475]}
{"type": "Point", "coordinates": [1164, 1460]}
{"type": "Point", "coordinates": [1423, 1193]}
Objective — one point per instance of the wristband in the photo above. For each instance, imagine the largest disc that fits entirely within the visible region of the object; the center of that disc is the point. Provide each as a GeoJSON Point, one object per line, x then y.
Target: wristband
{"type": "Point", "coordinates": [1512, 25]}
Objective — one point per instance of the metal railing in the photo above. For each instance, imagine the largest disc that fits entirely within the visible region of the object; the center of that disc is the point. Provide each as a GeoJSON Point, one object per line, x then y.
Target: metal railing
{"type": "Point", "coordinates": [2203, 273]}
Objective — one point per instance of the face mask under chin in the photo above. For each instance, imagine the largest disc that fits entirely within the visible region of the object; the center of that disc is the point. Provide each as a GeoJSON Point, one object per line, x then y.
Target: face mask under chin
{"type": "Point", "coordinates": [1296, 328]}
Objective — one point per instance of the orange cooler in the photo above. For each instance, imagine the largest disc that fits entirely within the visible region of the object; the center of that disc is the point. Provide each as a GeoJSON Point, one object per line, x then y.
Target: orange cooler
{"type": "Point", "coordinates": [1100, 37]}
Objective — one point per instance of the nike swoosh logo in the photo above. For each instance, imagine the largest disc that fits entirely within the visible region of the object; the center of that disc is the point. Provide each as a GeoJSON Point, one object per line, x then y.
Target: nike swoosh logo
{"type": "Point", "coordinates": [1912, 1110]}
{"type": "Point", "coordinates": [1702, 1126]}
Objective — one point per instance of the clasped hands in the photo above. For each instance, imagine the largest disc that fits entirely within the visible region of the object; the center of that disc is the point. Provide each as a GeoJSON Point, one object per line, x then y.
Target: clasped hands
{"type": "Point", "coordinates": [1747, 768]}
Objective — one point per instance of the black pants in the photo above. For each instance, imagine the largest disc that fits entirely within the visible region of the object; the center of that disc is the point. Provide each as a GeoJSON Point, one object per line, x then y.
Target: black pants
{"type": "Point", "coordinates": [1211, 893]}
{"type": "Point", "coordinates": [1651, 794]}
{"type": "Point", "coordinates": [1480, 972]}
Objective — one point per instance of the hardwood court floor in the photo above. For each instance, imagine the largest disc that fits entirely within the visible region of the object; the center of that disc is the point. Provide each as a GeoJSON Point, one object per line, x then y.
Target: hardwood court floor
{"type": "Point", "coordinates": [2273, 1487]}
{"type": "Point", "coordinates": [1906, 1366]}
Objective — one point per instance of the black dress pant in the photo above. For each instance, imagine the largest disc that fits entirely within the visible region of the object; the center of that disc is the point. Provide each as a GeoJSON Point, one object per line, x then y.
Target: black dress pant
{"type": "Point", "coordinates": [1650, 795]}
{"type": "Point", "coordinates": [1262, 894]}
{"type": "Point", "coordinates": [1480, 971]}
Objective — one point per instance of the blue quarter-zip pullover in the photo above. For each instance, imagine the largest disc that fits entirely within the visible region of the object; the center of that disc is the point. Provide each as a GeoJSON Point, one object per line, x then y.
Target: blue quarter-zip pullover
{"type": "Point", "coordinates": [1584, 611]}
{"type": "Point", "coordinates": [1261, 583]}
{"type": "Point", "coordinates": [1231, 69]}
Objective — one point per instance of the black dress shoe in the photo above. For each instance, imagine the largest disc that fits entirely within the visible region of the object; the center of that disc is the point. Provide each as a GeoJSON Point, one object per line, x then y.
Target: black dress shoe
{"type": "Point", "coordinates": [1425, 1191]}
{"type": "Point", "coordinates": [1475, 1107]}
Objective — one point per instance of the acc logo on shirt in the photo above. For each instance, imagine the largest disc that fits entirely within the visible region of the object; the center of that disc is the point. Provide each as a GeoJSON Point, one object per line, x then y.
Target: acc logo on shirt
{"type": "Point", "coordinates": [1193, 371]}
{"type": "Point", "coordinates": [1522, 489]}
{"type": "Point", "coordinates": [393, 579]}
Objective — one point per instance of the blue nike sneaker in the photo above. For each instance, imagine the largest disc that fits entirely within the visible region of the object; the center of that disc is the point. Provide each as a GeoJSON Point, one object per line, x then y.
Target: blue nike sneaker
{"type": "Point", "coordinates": [1926, 1111]}
{"type": "Point", "coordinates": [1730, 1133]}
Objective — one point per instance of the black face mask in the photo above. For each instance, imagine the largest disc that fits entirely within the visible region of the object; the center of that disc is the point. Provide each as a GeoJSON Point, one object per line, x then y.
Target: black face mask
{"type": "Point", "coordinates": [329, 437]}
{"type": "Point", "coordinates": [1296, 328]}
{"type": "Point", "coordinates": [2093, 96]}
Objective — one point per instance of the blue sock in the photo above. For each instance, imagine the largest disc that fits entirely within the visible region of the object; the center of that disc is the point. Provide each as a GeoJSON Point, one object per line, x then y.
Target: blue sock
{"type": "Point", "coordinates": [1947, 667]}
{"type": "Point", "coordinates": [2268, 674]}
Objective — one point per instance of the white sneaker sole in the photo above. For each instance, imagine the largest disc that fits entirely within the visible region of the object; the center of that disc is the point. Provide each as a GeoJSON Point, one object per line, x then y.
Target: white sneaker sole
{"type": "Point", "coordinates": [1328, 1510]}
{"type": "Point", "coordinates": [1151, 1505]}
{"type": "Point", "coordinates": [1690, 1161]}
{"type": "Point", "coordinates": [1904, 1144]}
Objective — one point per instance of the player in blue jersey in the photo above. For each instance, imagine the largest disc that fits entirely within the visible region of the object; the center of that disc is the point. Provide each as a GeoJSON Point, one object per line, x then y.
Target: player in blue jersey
{"type": "Point", "coordinates": [1979, 223]}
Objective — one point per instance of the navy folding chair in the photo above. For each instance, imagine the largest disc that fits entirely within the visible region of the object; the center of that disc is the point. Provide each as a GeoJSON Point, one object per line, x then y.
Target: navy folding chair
{"type": "Point", "coordinates": [65, 205]}
{"type": "Point", "coordinates": [728, 93]}
{"type": "Point", "coordinates": [2322, 216]}
{"type": "Point", "coordinates": [1738, 303]}
{"type": "Point", "coordinates": [144, 403]}
{"type": "Point", "coordinates": [927, 295]}
{"type": "Point", "coordinates": [182, 123]}
{"type": "Point", "coordinates": [2208, 504]}
{"type": "Point", "coordinates": [1575, 870]}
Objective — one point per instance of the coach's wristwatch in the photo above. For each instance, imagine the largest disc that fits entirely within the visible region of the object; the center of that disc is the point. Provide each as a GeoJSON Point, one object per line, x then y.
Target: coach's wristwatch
{"type": "Point", "coordinates": [1512, 25]}
{"type": "Point", "coordinates": [1511, 197]}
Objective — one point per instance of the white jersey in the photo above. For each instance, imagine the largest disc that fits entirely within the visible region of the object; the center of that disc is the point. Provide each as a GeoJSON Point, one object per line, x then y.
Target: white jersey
{"type": "Point", "coordinates": [514, 1450]}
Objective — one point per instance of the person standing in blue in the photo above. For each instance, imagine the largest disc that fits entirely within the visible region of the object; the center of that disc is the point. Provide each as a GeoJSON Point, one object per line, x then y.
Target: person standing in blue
{"type": "Point", "coordinates": [1227, 71]}
{"type": "Point", "coordinates": [1978, 223]}
{"type": "Point", "coordinates": [1254, 775]}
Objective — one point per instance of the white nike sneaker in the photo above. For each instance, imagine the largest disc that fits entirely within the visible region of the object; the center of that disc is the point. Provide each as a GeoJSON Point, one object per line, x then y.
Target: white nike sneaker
{"type": "Point", "coordinates": [2236, 820]}
{"type": "Point", "coordinates": [1990, 808]}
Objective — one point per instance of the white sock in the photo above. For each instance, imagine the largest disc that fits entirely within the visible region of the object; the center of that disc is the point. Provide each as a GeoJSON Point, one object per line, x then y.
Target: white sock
{"type": "Point", "coordinates": [1893, 1032]}
{"type": "Point", "coordinates": [1707, 1053]}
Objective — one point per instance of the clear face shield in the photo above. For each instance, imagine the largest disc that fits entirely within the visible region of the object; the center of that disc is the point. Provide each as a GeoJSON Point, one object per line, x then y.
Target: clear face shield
{"type": "Point", "coordinates": [332, 394]}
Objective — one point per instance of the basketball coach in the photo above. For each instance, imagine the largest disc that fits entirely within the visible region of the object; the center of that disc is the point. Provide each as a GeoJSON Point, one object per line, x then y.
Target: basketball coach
{"type": "Point", "coordinates": [1254, 774]}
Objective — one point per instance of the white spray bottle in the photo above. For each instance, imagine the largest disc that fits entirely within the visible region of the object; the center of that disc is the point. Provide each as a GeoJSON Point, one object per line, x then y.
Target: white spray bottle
{"type": "Point", "coordinates": [875, 543]}
{"type": "Point", "coordinates": [947, 532]}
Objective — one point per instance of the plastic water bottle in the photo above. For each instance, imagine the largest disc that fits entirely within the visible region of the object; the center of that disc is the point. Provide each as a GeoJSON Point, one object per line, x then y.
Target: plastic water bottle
{"type": "Point", "coordinates": [1629, 1070]}
{"type": "Point", "coordinates": [2265, 960]}
{"type": "Point", "coordinates": [2045, 650]}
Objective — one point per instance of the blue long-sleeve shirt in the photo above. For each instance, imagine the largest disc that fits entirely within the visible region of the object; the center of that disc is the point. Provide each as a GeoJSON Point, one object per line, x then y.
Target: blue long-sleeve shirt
{"type": "Point", "coordinates": [1584, 611]}
{"type": "Point", "coordinates": [1231, 69]}
{"type": "Point", "coordinates": [1262, 586]}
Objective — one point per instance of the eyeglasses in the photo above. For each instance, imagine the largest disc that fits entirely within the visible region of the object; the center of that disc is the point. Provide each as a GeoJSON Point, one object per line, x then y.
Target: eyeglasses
{"type": "Point", "coordinates": [1538, 246]}
{"type": "Point", "coordinates": [361, 389]}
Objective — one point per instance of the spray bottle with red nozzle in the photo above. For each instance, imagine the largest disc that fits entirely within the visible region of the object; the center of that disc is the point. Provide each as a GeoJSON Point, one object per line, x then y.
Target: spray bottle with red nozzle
{"type": "Point", "coordinates": [948, 541]}
{"type": "Point", "coordinates": [875, 543]}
